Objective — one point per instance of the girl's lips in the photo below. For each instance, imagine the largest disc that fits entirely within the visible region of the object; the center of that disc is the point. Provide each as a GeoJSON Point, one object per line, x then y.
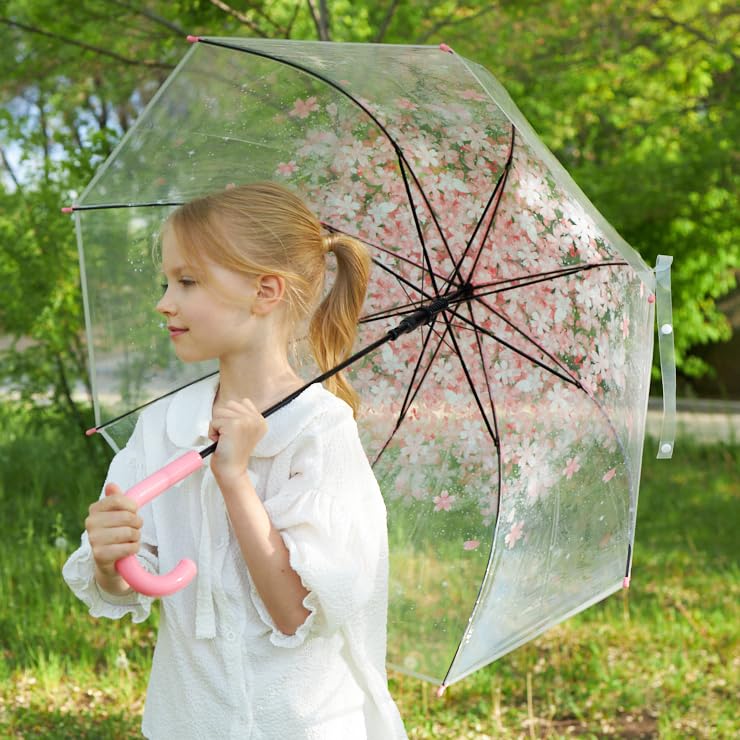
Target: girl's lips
{"type": "Point", "coordinates": [175, 331]}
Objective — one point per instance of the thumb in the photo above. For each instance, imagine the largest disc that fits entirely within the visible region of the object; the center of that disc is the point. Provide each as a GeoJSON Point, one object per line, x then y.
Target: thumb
{"type": "Point", "coordinates": [112, 488]}
{"type": "Point", "coordinates": [213, 434]}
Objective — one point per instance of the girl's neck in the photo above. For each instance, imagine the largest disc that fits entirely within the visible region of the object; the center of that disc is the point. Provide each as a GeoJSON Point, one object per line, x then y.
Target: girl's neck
{"type": "Point", "coordinates": [263, 379]}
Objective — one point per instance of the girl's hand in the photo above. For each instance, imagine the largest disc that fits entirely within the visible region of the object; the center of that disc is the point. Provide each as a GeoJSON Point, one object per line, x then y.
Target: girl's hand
{"type": "Point", "coordinates": [114, 530]}
{"type": "Point", "coordinates": [237, 427]}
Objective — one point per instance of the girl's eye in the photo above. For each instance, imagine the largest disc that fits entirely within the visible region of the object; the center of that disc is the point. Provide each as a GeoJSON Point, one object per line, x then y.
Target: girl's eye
{"type": "Point", "coordinates": [186, 282]}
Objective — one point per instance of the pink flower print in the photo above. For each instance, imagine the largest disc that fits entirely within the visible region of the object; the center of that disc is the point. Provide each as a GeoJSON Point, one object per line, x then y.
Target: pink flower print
{"type": "Point", "coordinates": [571, 467]}
{"type": "Point", "coordinates": [609, 475]}
{"type": "Point", "coordinates": [303, 108]}
{"type": "Point", "coordinates": [515, 534]}
{"type": "Point", "coordinates": [443, 502]}
{"type": "Point", "coordinates": [471, 544]}
{"type": "Point", "coordinates": [626, 325]}
{"type": "Point", "coordinates": [287, 168]}
{"type": "Point", "coordinates": [406, 104]}
{"type": "Point", "coordinates": [426, 156]}
{"type": "Point", "coordinates": [473, 95]}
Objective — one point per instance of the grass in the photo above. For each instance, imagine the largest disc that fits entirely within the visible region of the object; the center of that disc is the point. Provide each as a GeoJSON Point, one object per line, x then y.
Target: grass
{"type": "Point", "coordinates": [658, 660]}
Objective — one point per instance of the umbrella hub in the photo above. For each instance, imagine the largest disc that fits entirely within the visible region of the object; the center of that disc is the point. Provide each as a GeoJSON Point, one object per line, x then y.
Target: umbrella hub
{"type": "Point", "coordinates": [428, 311]}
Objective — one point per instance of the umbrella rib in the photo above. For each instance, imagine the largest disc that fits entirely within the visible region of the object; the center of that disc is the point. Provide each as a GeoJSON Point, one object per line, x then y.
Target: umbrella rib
{"type": "Point", "coordinates": [406, 402]}
{"type": "Point", "coordinates": [417, 223]}
{"type": "Point", "coordinates": [154, 400]}
{"type": "Point", "coordinates": [107, 206]}
{"type": "Point", "coordinates": [510, 323]}
{"type": "Point", "coordinates": [496, 194]}
{"type": "Point", "coordinates": [385, 250]}
{"type": "Point", "coordinates": [404, 284]}
{"type": "Point", "coordinates": [485, 375]}
{"type": "Point", "coordinates": [543, 276]}
{"type": "Point", "coordinates": [465, 370]}
{"type": "Point", "coordinates": [475, 327]}
{"type": "Point", "coordinates": [360, 105]}
{"type": "Point", "coordinates": [499, 494]}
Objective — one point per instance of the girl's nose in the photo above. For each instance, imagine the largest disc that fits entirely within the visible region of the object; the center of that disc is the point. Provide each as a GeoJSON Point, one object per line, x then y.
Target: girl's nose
{"type": "Point", "coordinates": [164, 305]}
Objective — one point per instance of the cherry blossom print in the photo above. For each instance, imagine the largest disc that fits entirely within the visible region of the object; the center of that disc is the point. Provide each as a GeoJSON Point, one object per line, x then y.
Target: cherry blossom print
{"type": "Point", "coordinates": [406, 104]}
{"type": "Point", "coordinates": [471, 544]}
{"type": "Point", "coordinates": [303, 108]}
{"type": "Point", "coordinates": [476, 95]}
{"type": "Point", "coordinates": [514, 535]}
{"type": "Point", "coordinates": [443, 502]}
{"type": "Point", "coordinates": [286, 168]}
{"type": "Point", "coordinates": [571, 468]}
{"type": "Point", "coordinates": [609, 475]}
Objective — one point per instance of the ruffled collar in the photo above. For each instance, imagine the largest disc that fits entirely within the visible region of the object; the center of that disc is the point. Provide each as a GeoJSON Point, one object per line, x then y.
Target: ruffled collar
{"type": "Point", "coordinates": [189, 415]}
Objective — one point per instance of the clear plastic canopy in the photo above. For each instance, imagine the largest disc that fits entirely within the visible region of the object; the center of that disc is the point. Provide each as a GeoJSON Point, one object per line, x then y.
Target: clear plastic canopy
{"type": "Point", "coordinates": [507, 434]}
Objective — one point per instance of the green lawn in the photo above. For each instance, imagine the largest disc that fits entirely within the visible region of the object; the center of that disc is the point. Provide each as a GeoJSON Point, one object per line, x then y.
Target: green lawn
{"type": "Point", "coordinates": [661, 659]}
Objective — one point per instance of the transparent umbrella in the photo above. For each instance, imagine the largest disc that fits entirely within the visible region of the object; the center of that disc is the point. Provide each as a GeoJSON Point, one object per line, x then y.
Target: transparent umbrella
{"type": "Point", "coordinates": [505, 348]}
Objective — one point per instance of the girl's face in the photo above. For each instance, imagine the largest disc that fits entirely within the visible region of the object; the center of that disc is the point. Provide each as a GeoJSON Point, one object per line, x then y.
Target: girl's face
{"type": "Point", "coordinates": [209, 316]}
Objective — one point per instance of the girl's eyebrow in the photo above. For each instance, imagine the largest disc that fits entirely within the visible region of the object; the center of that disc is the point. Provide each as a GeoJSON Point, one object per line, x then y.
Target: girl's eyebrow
{"type": "Point", "coordinates": [180, 270]}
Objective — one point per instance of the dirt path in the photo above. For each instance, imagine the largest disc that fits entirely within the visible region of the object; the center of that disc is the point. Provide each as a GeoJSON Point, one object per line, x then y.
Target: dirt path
{"type": "Point", "coordinates": [701, 420]}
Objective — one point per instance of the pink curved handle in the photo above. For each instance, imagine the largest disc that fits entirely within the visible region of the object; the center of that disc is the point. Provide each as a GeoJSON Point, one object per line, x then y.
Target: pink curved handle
{"type": "Point", "coordinates": [142, 493]}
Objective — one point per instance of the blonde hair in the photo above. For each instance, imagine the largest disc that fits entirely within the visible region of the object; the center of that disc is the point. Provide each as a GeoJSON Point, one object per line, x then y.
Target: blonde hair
{"type": "Point", "coordinates": [265, 229]}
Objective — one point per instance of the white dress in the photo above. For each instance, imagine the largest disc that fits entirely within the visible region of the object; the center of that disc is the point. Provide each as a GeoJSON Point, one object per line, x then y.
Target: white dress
{"type": "Point", "coordinates": [221, 668]}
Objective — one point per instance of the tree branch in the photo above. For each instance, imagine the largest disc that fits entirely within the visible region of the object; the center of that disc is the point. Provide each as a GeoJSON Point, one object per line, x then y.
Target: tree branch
{"type": "Point", "coordinates": [152, 17]}
{"type": "Point", "coordinates": [66, 391]}
{"type": "Point", "coordinates": [243, 19]}
{"type": "Point", "coordinates": [320, 17]}
{"type": "Point", "coordinates": [695, 32]}
{"type": "Point", "coordinates": [387, 18]}
{"type": "Point", "coordinates": [87, 47]}
{"type": "Point", "coordinates": [451, 21]}
{"type": "Point", "coordinates": [10, 170]}
{"type": "Point", "coordinates": [289, 27]}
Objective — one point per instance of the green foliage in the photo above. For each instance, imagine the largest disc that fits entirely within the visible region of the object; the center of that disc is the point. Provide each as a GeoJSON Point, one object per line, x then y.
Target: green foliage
{"type": "Point", "coordinates": [636, 99]}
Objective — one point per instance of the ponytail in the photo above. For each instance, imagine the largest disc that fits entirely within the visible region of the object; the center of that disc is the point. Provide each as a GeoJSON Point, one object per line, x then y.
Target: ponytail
{"type": "Point", "coordinates": [333, 326]}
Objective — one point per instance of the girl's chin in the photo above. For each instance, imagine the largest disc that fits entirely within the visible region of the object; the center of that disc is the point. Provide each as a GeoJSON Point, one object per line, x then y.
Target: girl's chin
{"type": "Point", "coordinates": [189, 357]}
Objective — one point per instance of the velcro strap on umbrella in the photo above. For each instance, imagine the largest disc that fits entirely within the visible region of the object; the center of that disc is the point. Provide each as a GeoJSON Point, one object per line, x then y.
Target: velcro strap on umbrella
{"type": "Point", "coordinates": [664, 317]}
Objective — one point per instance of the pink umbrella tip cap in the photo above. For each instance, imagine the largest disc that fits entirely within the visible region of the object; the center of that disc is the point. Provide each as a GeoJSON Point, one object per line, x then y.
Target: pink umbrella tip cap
{"type": "Point", "coordinates": [440, 691]}
{"type": "Point", "coordinates": [444, 47]}
{"type": "Point", "coordinates": [193, 39]}
{"type": "Point", "coordinates": [91, 431]}
{"type": "Point", "coordinates": [626, 582]}
{"type": "Point", "coordinates": [651, 298]}
{"type": "Point", "coordinates": [68, 209]}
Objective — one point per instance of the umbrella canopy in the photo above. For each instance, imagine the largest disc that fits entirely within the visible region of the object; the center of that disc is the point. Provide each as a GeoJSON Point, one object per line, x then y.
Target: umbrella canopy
{"type": "Point", "coordinates": [507, 430]}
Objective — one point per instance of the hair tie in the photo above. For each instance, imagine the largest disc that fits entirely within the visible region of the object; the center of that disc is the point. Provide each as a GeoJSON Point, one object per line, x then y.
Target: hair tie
{"type": "Point", "coordinates": [330, 242]}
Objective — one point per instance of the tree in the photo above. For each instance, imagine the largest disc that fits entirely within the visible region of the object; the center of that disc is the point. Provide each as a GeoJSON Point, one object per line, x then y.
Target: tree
{"type": "Point", "coordinates": [635, 98]}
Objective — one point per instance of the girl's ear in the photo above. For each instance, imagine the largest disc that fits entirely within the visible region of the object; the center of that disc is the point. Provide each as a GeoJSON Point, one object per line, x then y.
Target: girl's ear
{"type": "Point", "coordinates": [269, 295]}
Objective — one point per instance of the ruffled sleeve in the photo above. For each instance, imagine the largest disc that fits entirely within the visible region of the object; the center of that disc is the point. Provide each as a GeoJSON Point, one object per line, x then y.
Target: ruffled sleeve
{"type": "Point", "coordinates": [79, 570]}
{"type": "Point", "coordinates": [331, 517]}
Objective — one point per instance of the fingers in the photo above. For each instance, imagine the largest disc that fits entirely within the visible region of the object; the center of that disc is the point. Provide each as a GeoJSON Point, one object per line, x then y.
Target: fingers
{"type": "Point", "coordinates": [113, 527]}
{"type": "Point", "coordinates": [114, 500]}
{"type": "Point", "coordinates": [240, 416]}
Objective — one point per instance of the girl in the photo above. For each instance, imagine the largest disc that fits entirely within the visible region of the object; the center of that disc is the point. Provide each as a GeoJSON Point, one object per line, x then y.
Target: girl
{"type": "Point", "coordinates": [282, 635]}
